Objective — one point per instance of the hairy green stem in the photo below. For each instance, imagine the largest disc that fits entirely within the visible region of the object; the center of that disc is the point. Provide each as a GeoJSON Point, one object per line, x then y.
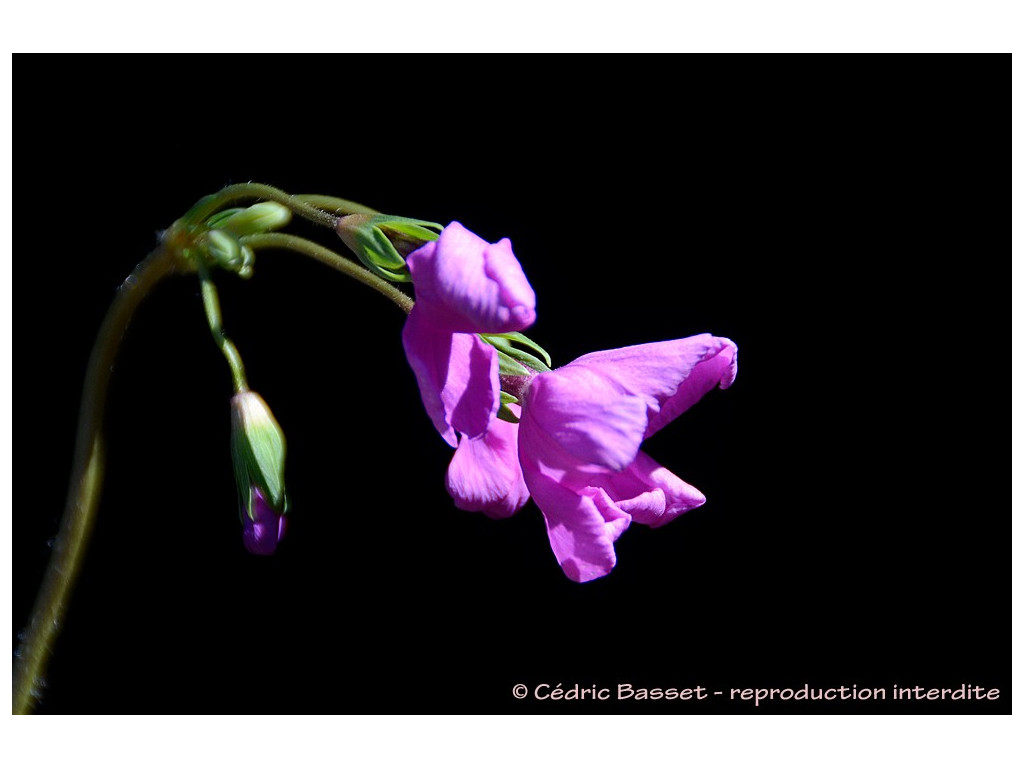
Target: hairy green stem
{"type": "Point", "coordinates": [337, 205]}
{"type": "Point", "coordinates": [331, 259]}
{"type": "Point", "coordinates": [209, 205]}
{"type": "Point", "coordinates": [36, 647]}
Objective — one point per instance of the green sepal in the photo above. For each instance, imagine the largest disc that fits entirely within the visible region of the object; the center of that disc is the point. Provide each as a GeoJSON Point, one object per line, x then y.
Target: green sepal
{"type": "Point", "coordinates": [415, 228]}
{"type": "Point", "coordinates": [504, 412]}
{"type": "Point", "coordinates": [379, 249]}
{"type": "Point", "coordinates": [506, 343]}
{"type": "Point", "coordinates": [366, 235]}
{"type": "Point", "coordinates": [221, 216]}
{"type": "Point", "coordinates": [507, 366]}
{"type": "Point", "coordinates": [264, 448]}
{"type": "Point", "coordinates": [258, 449]}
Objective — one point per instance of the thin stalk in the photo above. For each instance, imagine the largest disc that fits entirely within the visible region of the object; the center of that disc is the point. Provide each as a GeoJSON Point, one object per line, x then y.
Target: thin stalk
{"type": "Point", "coordinates": [211, 303]}
{"type": "Point", "coordinates": [35, 650]}
{"type": "Point", "coordinates": [331, 259]}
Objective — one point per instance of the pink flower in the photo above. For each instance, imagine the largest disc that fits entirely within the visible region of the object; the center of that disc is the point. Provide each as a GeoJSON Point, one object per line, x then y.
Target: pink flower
{"type": "Point", "coordinates": [464, 286]}
{"type": "Point", "coordinates": [580, 435]}
{"type": "Point", "coordinates": [576, 449]}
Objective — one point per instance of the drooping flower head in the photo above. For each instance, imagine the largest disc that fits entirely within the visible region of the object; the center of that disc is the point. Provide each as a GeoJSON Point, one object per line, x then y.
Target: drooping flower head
{"type": "Point", "coordinates": [575, 433]}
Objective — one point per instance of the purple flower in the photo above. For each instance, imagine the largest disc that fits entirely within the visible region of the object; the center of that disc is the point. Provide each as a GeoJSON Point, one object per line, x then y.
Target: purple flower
{"type": "Point", "coordinates": [464, 286]}
{"type": "Point", "coordinates": [580, 435]}
{"type": "Point", "coordinates": [576, 448]}
{"type": "Point", "coordinates": [264, 529]}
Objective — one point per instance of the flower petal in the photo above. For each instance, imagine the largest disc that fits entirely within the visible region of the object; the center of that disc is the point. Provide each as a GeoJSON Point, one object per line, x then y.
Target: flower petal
{"type": "Point", "coordinates": [670, 375]}
{"type": "Point", "coordinates": [484, 474]}
{"type": "Point", "coordinates": [650, 493]}
{"type": "Point", "coordinates": [264, 529]}
{"type": "Point", "coordinates": [585, 416]}
{"type": "Point", "coordinates": [472, 286]}
{"type": "Point", "coordinates": [582, 523]}
{"type": "Point", "coordinates": [457, 375]}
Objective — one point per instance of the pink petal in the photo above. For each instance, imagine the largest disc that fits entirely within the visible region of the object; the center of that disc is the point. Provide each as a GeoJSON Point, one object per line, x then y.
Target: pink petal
{"type": "Point", "coordinates": [457, 375]}
{"type": "Point", "coordinates": [484, 474]}
{"type": "Point", "coordinates": [582, 523]}
{"type": "Point", "coordinates": [670, 375]}
{"type": "Point", "coordinates": [261, 532]}
{"type": "Point", "coordinates": [471, 285]}
{"type": "Point", "coordinates": [583, 414]}
{"type": "Point", "coordinates": [650, 493]}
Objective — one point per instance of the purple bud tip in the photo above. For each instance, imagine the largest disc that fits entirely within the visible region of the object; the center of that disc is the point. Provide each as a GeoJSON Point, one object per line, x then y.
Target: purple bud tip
{"type": "Point", "coordinates": [262, 535]}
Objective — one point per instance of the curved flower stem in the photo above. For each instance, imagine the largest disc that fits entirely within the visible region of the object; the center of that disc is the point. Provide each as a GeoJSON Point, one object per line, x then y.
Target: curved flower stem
{"type": "Point", "coordinates": [86, 481]}
{"type": "Point", "coordinates": [337, 205]}
{"type": "Point", "coordinates": [210, 204]}
{"type": "Point", "coordinates": [331, 259]}
{"type": "Point", "coordinates": [211, 303]}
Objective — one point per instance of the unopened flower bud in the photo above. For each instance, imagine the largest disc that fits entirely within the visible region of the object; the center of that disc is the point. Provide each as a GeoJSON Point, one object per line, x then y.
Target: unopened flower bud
{"type": "Point", "coordinates": [258, 452]}
{"type": "Point", "coordinates": [382, 242]}
{"type": "Point", "coordinates": [261, 217]}
{"type": "Point", "coordinates": [222, 249]}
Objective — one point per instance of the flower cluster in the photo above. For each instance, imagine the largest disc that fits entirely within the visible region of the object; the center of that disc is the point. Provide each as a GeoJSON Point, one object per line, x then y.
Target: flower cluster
{"type": "Point", "coordinates": [570, 437]}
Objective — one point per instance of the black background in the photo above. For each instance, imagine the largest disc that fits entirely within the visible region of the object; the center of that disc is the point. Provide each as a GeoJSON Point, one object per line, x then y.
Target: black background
{"type": "Point", "coordinates": [841, 218]}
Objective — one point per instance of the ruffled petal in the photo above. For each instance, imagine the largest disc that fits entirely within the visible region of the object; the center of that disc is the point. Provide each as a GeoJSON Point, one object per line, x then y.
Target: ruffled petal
{"type": "Point", "coordinates": [582, 522]}
{"type": "Point", "coordinates": [484, 474]}
{"type": "Point", "coordinates": [651, 494]}
{"type": "Point", "coordinates": [587, 417]}
{"type": "Point", "coordinates": [457, 375]}
{"type": "Point", "coordinates": [472, 286]}
{"type": "Point", "coordinates": [670, 375]}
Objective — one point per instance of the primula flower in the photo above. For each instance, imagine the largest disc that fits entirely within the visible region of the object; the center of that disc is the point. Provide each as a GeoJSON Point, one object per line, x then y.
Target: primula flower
{"type": "Point", "coordinates": [464, 286]}
{"type": "Point", "coordinates": [580, 435]}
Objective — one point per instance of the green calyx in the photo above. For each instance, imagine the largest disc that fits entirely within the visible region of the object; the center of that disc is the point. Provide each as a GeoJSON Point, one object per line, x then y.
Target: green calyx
{"type": "Point", "coordinates": [382, 242]}
{"type": "Point", "coordinates": [257, 450]}
{"type": "Point", "coordinates": [520, 358]}
{"type": "Point", "coordinates": [518, 355]}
